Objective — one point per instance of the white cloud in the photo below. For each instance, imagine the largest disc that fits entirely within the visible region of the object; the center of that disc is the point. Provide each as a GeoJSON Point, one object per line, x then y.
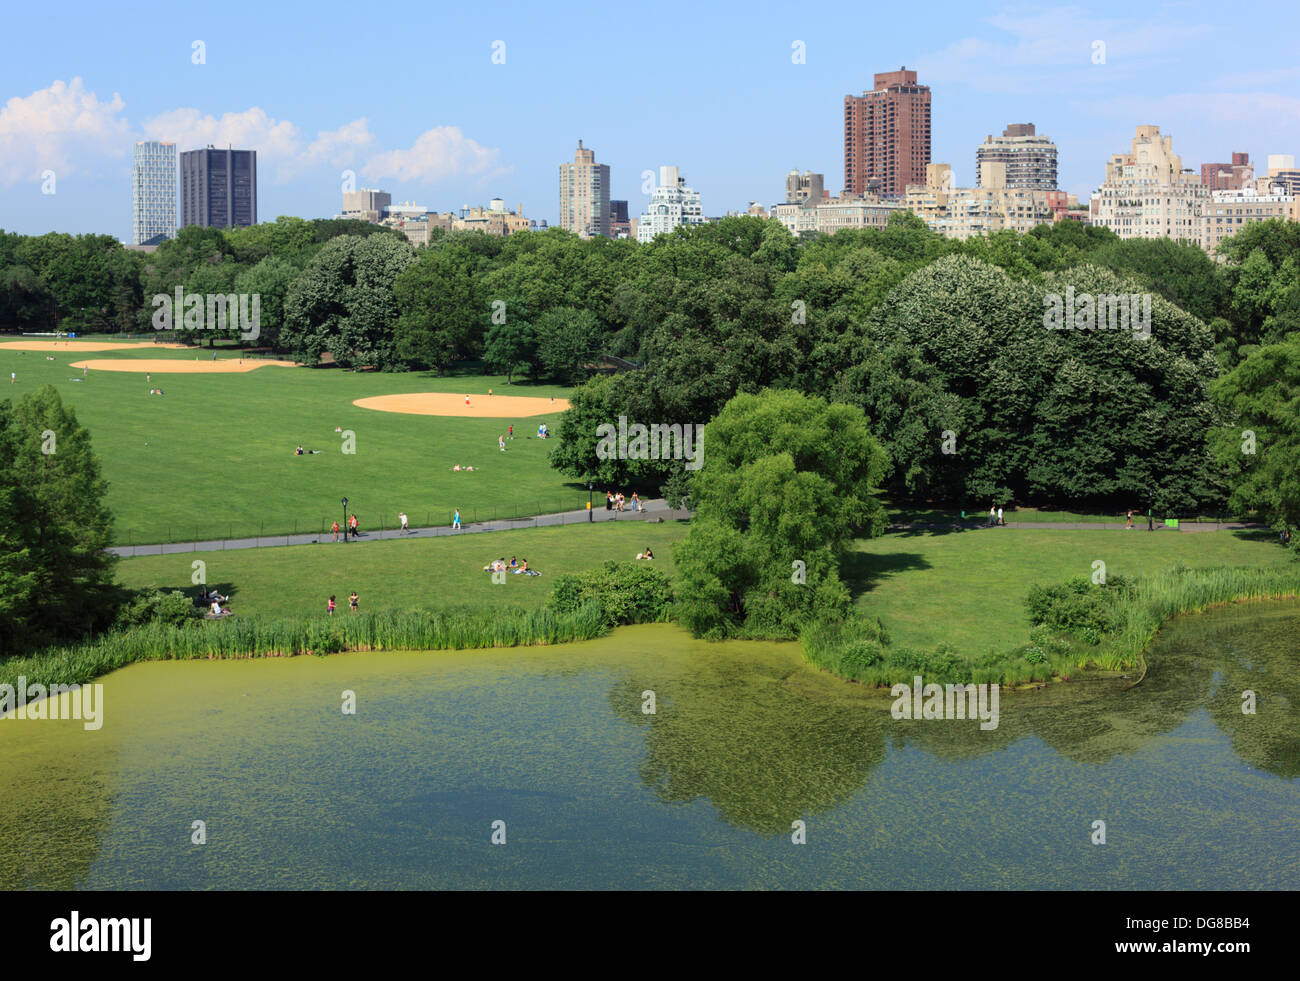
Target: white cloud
{"type": "Point", "coordinates": [63, 128]}
{"type": "Point", "coordinates": [438, 154]}
{"type": "Point", "coordinates": [281, 149]}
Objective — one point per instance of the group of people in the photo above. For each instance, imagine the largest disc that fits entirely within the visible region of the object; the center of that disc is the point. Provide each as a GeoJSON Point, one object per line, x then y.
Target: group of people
{"type": "Point", "coordinates": [354, 603]}
{"type": "Point", "coordinates": [354, 527]}
{"type": "Point", "coordinates": [213, 600]}
{"type": "Point", "coordinates": [518, 566]}
{"type": "Point", "coordinates": [617, 502]}
{"type": "Point", "coordinates": [995, 517]}
{"type": "Point", "coordinates": [301, 452]}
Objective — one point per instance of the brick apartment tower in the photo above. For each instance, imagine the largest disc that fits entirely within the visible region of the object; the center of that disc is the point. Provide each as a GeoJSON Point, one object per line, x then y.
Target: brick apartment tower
{"type": "Point", "coordinates": [1229, 177]}
{"type": "Point", "coordinates": [887, 135]}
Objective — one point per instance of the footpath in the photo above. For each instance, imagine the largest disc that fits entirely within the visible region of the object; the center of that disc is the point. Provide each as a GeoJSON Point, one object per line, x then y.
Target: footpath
{"type": "Point", "coordinates": [652, 510]}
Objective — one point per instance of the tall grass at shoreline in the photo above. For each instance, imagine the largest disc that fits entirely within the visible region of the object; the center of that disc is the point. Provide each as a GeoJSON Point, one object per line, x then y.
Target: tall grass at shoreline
{"type": "Point", "coordinates": [858, 649]}
{"type": "Point", "coordinates": [418, 630]}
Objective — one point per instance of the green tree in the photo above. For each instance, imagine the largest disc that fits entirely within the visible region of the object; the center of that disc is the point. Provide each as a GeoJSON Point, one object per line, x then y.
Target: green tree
{"type": "Point", "coordinates": [787, 482]}
{"type": "Point", "coordinates": [1260, 449]}
{"type": "Point", "coordinates": [511, 344]}
{"type": "Point", "coordinates": [568, 339]}
{"type": "Point", "coordinates": [55, 572]}
{"type": "Point", "coordinates": [343, 302]}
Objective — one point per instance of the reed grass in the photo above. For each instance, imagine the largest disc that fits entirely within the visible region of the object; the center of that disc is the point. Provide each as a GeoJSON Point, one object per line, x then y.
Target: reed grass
{"type": "Point", "coordinates": [417, 630]}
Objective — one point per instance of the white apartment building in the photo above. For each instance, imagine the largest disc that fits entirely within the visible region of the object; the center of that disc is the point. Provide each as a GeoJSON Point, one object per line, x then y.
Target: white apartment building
{"type": "Point", "coordinates": [671, 204]}
{"type": "Point", "coordinates": [153, 192]}
{"type": "Point", "coordinates": [1148, 194]}
{"type": "Point", "coordinates": [1227, 212]}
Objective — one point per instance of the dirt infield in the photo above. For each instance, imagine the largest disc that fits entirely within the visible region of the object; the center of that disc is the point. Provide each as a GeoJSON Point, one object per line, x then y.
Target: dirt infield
{"type": "Point", "coordinates": [448, 404]}
{"type": "Point", "coordinates": [76, 347]}
{"type": "Point", "coordinates": [163, 366]}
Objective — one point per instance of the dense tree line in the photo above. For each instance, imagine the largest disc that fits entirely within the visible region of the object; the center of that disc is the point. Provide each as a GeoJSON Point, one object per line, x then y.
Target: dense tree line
{"type": "Point", "coordinates": [927, 335]}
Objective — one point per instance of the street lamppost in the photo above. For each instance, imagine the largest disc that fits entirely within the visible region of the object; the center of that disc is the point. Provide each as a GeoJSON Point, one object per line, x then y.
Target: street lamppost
{"type": "Point", "coordinates": [345, 519]}
{"type": "Point", "coordinates": [590, 516]}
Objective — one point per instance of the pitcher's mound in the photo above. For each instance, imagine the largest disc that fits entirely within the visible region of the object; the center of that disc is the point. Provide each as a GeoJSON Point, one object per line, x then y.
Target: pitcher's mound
{"type": "Point", "coordinates": [450, 404]}
{"type": "Point", "coordinates": [80, 346]}
{"type": "Point", "coordinates": [179, 366]}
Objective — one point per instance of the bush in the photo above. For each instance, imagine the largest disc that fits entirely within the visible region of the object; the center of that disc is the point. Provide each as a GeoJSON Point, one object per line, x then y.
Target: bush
{"type": "Point", "coordinates": [171, 609]}
{"type": "Point", "coordinates": [1074, 605]}
{"type": "Point", "coordinates": [626, 592]}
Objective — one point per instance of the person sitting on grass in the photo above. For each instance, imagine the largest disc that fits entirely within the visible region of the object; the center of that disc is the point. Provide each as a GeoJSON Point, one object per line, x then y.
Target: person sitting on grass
{"type": "Point", "coordinates": [523, 568]}
{"type": "Point", "coordinates": [514, 562]}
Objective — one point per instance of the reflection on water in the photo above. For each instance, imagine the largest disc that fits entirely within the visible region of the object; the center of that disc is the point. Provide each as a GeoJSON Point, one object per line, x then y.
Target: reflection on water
{"type": "Point", "coordinates": [595, 793]}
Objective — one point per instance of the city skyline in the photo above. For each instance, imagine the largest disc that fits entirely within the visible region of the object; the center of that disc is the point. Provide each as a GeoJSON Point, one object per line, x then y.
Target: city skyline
{"type": "Point", "coordinates": [498, 128]}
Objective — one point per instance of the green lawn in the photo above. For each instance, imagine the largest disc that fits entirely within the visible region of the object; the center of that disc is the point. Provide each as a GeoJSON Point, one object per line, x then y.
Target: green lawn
{"type": "Point", "coordinates": [213, 458]}
{"type": "Point", "coordinates": [968, 588]}
{"type": "Point", "coordinates": [405, 573]}
{"type": "Point", "coordinates": [965, 588]}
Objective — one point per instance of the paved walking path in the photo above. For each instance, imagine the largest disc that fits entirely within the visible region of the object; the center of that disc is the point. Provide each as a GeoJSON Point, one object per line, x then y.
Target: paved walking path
{"type": "Point", "coordinates": [652, 510]}
{"type": "Point", "coordinates": [977, 525]}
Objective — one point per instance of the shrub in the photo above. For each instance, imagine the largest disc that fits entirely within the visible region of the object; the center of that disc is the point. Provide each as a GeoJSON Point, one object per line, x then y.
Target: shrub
{"type": "Point", "coordinates": [172, 609]}
{"type": "Point", "coordinates": [626, 592]}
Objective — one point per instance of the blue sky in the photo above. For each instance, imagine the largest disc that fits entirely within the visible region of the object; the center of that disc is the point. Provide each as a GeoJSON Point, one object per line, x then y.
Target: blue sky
{"type": "Point", "coordinates": [407, 95]}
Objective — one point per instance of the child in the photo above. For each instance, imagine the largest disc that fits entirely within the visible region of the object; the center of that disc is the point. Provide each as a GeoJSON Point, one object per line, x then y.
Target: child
{"type": "Point", "coordinates": [501, 442]}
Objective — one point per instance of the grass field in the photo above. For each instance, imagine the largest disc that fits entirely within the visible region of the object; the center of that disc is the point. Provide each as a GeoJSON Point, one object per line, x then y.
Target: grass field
{"type": "Point", "coordinates": [964, 588]}
{"type": "Point", "coordinates": [968, 588]}
{"type": "Point", "coordinates": [213, 457]}
{"type": "Point", "coordinates": [404, 573]}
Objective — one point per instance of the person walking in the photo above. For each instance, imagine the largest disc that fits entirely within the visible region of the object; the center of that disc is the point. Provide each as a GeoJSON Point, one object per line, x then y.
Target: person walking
{"type": "Point", "coordinates": [330, 606]}
{"type": "Point", "coordinates": [1128, 523]}
{"type": "Point", "coordinates": [402, 518]}
{"type": "Point", "coordinates": [501, 442]}
{"type": "Point", "coordinates": [466, 400]}
{"type": "Point", "coordinates": [353, 601]}
{"type": "Point", "coordinates": [455, 519]}
{"type": "Point", "coordinates": [352, 524]}
{"type": "Point", "coordinates": [336, 531]}
{"type": "Point", "coordinates": [993, 516]}
{"type": "Point", "coordinates": [609, 501]}
{"type": "Point", "coordinates": [1000, 521]}
{"type": "Point", "coordinates": [512, 430]}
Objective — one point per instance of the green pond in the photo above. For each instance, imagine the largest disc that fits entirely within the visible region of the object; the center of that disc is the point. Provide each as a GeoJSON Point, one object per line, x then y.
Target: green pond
{"type": "Point", "coordinates": [595, 793]}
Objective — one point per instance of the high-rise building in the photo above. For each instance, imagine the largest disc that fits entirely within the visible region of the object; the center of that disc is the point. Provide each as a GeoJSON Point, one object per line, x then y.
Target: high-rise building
{"type": "Point", "coordinates": [219, 188]}
{"type": "Point", "coordinates": [804, 187]}
{"type": "Point", "coordinates": [1229, 177]}
{"type": "Point", "coordinates": [964, 212]}
{"type": "Point", "coordinates": [619, 224]}
{"type": "Point", "coordinates": [1282, 175]}
{"type": "Point", "coordinates": [153, 193]}
{"type": "Point", "coordinates": [1030, 159]}
{"type": "Point", "coordinates": [1228, 211]}
{"type": "Point", "coordinates": [1148, 194]}
{"type": "Point", "coordinates": [887, 135]}
{"type": "Point", "coordinates": [584, 194]}
{"type": "Point", "coordinates": [671, 204]}
{"type": "Point", "coordinates": [367, 204]}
